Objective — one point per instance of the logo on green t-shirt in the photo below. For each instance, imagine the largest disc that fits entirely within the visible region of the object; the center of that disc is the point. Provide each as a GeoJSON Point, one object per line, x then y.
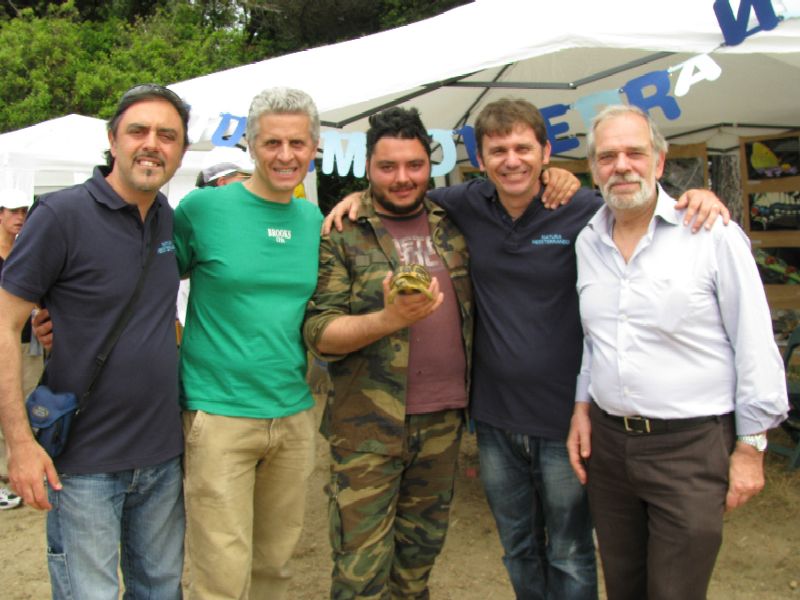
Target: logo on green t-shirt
{"type": "Point", "coordinates": [279, 235]}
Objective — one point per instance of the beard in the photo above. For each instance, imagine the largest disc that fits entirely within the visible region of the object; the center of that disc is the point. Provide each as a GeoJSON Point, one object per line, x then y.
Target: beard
{"type": "Point", "coordinates": [624, 202]}
{"type": "Point", "coordinates": [154, 177]}
{"type": "Point", "coordinates": [393, 208]}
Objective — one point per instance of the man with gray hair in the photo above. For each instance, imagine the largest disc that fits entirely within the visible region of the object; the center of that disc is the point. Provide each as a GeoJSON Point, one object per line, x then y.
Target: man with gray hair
{"type": "Point", "coordinates": [251, 252]}
{"type": "Point", "coordinates": [680, 379]}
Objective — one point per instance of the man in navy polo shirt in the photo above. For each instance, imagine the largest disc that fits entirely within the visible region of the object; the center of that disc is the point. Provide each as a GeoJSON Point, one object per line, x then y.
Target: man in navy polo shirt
{"type": "Point", "coordinates": [527, 351]}
{"type": "Point", "coordinates": [526, 354]}
{"type": "Point", "coordinates": [117, 485]}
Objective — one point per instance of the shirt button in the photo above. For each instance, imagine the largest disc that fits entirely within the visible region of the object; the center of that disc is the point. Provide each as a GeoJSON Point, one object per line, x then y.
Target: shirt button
{"type": "Point", "coordinates": [623, 318]}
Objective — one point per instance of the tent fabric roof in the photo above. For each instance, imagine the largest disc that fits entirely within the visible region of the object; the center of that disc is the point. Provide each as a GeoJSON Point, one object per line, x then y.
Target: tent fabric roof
{"type": "Point", "coordinates": [426, 63]}
{"type": "Point", "coordinates": [73, 138]}
{"type": "Point", "coordinates": [430, 64]}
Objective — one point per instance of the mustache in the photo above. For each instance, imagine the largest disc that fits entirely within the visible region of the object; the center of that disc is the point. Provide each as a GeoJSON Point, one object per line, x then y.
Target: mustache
{"type": "Point", "coordinates": [151, 155]}
{"type": "Point", "coordinates": [626, 178]}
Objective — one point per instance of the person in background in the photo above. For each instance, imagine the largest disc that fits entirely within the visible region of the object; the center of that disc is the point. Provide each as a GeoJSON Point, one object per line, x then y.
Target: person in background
{"type": "Point", "coordinates": [221, 174]}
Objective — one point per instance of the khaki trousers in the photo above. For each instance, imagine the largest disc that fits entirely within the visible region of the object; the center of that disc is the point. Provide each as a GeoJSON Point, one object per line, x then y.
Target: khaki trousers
{"type": "Point", "coordinates": [245, 489]}
{"type": "Point", "coordinates": [31, 372]}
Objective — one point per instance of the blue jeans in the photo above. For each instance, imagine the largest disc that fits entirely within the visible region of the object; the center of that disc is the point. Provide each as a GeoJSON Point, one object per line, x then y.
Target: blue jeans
{"type": "Point", "coordinates": [132, 518]}
{"type": "Point", "coordinates": [542, 515]}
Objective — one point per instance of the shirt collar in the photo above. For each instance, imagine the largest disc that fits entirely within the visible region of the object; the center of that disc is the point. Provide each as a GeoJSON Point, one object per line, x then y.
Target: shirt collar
{"type": "Point", "coordinates": [665, 208]}
{"type": "Point", "coordinates": [489, 192]}
{"type": "Point", "coordinates": [104, 194]}
{"type": "Point", "coordinates": [603, 219]}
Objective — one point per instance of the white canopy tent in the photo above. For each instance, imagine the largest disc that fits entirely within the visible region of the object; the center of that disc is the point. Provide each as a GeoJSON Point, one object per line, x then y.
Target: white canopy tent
{"type": "Point", "coordinates": [451, 65]}
{"type": "Point", "coordinates": [62, 152]}
{"type": "Point", "coordinates": [52, 154]}
{"type": "Point", "coordinates": [549, 52]}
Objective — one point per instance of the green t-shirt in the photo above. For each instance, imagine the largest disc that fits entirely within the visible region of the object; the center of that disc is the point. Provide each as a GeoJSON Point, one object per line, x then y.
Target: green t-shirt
{"type": "Point", "coordinates": [253, 267]}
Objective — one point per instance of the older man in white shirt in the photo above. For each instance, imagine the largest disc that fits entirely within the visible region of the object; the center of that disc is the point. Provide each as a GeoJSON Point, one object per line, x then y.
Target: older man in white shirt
{"type": "Point", "coordinates": [681, 377]}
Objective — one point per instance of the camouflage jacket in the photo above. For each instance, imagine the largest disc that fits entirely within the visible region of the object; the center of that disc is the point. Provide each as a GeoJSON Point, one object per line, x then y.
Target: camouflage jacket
{"type": "Point", "coordinates": [367, 410]}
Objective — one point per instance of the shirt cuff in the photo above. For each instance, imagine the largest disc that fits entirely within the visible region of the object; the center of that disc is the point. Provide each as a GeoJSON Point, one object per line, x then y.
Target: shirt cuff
{"type": "Point", "coordinates": [759, 416]}
{"type": "Point", "coordinates": [582, 388]}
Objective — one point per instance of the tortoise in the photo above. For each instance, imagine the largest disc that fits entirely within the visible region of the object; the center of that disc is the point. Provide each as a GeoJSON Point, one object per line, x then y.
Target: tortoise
{"type": "Point", "coordinates": [410, 279]}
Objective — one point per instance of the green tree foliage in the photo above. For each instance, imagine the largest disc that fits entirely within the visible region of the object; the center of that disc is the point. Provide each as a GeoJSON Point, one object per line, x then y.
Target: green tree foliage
{"type": "Point", "coordinates": [333, 187]}
{"type": "Point", "coordinates": [60, 64]}
{"type": "Point", "coordinates": [283, 26]}
{"type": "Point", "coordinates": [396, 13]}
{"type": "Point", "coordinates": [78, 56]}
{"type": "Point", "coordinates": [89, 10]}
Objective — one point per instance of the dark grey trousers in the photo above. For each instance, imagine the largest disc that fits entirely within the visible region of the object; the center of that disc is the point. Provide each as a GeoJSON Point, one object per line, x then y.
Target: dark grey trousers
{"type": "Point", "coordinates": [657, 501]}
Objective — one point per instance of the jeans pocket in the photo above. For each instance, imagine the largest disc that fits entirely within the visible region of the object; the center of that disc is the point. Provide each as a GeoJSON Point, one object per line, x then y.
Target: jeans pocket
{"type": "Point", "coordinates": [59, 575]}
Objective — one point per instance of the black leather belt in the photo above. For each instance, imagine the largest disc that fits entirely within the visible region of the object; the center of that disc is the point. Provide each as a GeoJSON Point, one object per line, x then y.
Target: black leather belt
{"type": "Point", "coordinates": [647, 425]}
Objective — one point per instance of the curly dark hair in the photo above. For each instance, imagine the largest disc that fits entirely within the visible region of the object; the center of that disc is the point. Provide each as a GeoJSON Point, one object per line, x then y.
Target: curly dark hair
{"type": "Point", "coordinates": [403, 123]}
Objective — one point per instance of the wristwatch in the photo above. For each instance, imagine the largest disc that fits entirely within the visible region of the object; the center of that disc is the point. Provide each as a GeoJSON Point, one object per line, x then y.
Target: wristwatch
{"type": "Point", "coordinates": [757, 441]}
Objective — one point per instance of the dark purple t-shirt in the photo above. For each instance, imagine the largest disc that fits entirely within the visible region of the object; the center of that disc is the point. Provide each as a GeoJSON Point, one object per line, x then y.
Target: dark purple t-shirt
{"type": "Point", "coordinates": [436, 363]}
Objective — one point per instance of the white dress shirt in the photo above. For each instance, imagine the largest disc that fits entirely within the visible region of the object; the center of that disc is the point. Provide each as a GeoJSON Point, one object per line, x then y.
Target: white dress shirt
{"type": "Point", "coordinates": [682, 330]}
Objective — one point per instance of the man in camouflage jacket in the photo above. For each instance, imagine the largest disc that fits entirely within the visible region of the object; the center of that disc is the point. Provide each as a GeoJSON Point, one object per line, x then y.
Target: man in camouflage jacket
{"type": "Point", "coordinates": [400, 371]}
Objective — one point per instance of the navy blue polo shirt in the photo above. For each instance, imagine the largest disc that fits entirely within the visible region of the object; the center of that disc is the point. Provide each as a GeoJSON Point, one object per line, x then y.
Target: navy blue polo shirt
{"type": "Point", "coordinates": [528, 336]}
{"type": "Point", "coordinates": [80, 255]}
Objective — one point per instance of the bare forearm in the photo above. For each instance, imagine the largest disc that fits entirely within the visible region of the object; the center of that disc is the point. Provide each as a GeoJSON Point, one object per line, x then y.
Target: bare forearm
{"type": "Point", "coordinates": [12, 409]}
{"type": "Point", "coordinates": [14, 312]}
{"type": "Point", "coordinates": [349, 333]}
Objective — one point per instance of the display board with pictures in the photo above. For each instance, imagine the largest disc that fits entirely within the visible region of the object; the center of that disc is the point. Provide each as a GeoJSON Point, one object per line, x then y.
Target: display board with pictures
{"type": "Point", "coordinates": [770, 170]}
{"type": "Point", "coordinates": [686, 168]}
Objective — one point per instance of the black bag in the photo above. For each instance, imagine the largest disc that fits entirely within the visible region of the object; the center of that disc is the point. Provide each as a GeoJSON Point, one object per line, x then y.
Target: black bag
{"type": "Point", "coordinates": [51, 415]}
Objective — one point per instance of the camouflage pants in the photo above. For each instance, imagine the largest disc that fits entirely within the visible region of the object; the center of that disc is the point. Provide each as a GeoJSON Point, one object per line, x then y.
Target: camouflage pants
{"type": "Point", "coordinates": [388, 514]}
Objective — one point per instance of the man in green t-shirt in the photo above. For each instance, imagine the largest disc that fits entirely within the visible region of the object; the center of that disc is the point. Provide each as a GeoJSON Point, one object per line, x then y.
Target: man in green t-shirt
{"type": "Point", "coordinates": [251, 251]}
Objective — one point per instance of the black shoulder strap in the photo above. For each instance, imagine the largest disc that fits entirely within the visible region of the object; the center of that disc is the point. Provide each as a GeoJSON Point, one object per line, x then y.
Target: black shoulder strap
{"type": "Point", "coordinates": [122, 321]}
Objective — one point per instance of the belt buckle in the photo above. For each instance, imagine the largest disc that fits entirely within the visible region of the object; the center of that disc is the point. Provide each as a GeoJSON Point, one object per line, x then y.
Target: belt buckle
{"type": "Point", "coordinates": [636, 424]}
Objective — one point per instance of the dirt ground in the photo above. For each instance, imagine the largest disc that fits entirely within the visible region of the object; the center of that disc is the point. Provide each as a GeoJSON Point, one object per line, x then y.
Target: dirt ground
{"type": "Point", "coordinates": [760, 556]}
